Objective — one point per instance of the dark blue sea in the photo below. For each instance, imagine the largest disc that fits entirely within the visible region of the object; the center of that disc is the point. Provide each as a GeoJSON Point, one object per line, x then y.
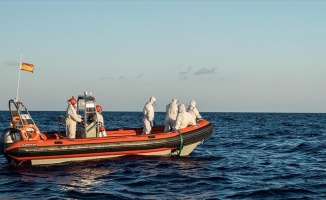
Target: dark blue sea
{"type": "Point", "coordinates": [249, 156]}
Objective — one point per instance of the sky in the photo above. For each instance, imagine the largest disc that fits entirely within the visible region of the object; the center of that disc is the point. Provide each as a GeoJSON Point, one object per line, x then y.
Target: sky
{"type": "Point", "coordinates": [229, 56]}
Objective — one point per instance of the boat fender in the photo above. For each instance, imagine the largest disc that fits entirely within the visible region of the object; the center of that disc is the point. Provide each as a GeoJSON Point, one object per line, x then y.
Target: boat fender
{"type": "Point", "coordinates": [30, 132]}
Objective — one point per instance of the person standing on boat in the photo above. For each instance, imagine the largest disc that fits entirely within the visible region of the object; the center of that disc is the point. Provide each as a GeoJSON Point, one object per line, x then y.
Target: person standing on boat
{"type": "Point", "coordinates": [193, 110]}
{"type": "Point", "coordinates": [148, 119]}
{"type": "Point", "coordinates": [72, 118]}
{"type": "Point", "coordinates": [100, 121]}
{"type": "Point", "coordinates": [171, 115]}
{"type": "Point", "coordinates": [183, 119]}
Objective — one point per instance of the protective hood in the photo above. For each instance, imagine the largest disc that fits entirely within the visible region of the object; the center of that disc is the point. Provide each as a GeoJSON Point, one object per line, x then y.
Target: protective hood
{"type": "Point", "coordinates": [73, 105]}
{"type": "Point", "coordinates": [152, 100]}
{"type": "Point", "coordinates": [182, 108]}
{"type": "Point", "coordinates": [193, 103]}
{"type": "Point", "coordinates": [175, 101]}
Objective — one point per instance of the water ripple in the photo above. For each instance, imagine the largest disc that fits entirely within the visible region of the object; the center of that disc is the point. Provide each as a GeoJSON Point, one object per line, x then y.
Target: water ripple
{"type": "Point", "coordinates": [249, 156]}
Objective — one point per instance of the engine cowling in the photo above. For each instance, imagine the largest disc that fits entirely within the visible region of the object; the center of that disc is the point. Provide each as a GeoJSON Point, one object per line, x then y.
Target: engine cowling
{"type": "Point", "coordinates": [8, 137]}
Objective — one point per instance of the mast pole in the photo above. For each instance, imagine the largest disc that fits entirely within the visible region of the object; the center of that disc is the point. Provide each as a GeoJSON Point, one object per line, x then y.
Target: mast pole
{"type": "Point", "coordinates": [20, 64]}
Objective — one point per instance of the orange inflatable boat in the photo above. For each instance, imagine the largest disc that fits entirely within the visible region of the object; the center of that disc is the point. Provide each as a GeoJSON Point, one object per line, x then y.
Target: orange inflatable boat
{"type": "Point", "coordinates": [24, 144]}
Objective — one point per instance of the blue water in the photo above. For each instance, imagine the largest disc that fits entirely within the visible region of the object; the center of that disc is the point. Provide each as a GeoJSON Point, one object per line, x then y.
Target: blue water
{"type": "Point", "coordinates": [249, 156]}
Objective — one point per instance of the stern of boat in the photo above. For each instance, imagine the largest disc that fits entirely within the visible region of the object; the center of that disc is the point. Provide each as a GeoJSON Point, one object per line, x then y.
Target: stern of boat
{"type": "Point", "coordinates": [8, 137]}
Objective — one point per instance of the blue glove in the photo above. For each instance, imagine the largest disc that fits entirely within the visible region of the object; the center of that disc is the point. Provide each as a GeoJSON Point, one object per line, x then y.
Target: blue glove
{"type": "Point", "coordinates": [152, 124]}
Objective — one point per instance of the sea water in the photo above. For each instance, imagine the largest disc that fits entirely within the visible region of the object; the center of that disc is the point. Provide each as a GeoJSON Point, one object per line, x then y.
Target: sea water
{"type": "Point", "coordinates": [248, 156]}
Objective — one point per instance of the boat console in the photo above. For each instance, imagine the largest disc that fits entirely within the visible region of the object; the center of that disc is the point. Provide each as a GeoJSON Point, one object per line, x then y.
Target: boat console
{"type": "Point", "coordinates": [86, 108]}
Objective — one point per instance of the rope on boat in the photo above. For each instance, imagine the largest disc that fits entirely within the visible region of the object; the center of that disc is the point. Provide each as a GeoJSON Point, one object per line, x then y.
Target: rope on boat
{"type": "Point", "coordinates": [181, 143]}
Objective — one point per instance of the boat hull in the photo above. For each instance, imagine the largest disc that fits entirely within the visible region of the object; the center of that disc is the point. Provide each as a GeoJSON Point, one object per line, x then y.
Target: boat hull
{"type": "Point", "coordinates": [185, 151]}
{"type": "Point", "coordinates": [118, 143]}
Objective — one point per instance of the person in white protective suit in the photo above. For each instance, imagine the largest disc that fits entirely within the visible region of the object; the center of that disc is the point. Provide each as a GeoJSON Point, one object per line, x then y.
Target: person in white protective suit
{"type": "Point", "coordinates": [193, 110]}
{"type": "Point", "coordinates": [100, 121]}
{"type": "Point", "coordinates": [171, 115]}
{"type": "Point", "coordinates": [72, 118]}
{"type": "Point", "coordinates": [148, 119]}
{"type": "Point", "coordinates": [184, 118]}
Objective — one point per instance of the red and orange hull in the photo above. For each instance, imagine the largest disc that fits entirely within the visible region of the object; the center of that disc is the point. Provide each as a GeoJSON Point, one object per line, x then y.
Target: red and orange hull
{"type": "Point", "coordinates": [119, 142]}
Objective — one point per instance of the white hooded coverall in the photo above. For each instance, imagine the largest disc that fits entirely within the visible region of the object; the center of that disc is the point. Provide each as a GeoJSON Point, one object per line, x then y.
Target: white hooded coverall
{"type": "Point", "coordinates": [148, 118]}
{"type": "Point", "coordinates": [100, 121]}
{"type": "Point", "coordinates": [193, 110]}
{"type": "Point", "coordinates": [171, 115]}
{"type": "Point", "coordinates": [184, 118]}
{"type": "Point", "coordinates": [71, 119]}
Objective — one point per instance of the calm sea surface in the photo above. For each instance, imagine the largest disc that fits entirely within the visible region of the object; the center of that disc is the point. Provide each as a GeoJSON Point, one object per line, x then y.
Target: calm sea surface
{"type": "Point", "coordinates": [249, 156]}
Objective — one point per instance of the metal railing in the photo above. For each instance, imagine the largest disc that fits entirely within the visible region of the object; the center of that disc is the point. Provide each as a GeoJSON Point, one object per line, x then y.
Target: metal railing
{"type": "Point", "coordinates": [61, 122]}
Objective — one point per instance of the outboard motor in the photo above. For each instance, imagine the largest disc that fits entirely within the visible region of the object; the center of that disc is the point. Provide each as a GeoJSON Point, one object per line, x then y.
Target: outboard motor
{"type": "Point", "coordinates": [9, 136]}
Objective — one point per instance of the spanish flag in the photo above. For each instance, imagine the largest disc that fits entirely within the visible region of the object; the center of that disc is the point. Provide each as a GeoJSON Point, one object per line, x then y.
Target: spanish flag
{"type": "Point", "coordinates": [27, 67]}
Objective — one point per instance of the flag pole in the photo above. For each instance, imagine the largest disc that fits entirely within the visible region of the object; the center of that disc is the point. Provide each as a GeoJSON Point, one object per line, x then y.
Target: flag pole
{"type": "Point", "coordinates": [20, 64]}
